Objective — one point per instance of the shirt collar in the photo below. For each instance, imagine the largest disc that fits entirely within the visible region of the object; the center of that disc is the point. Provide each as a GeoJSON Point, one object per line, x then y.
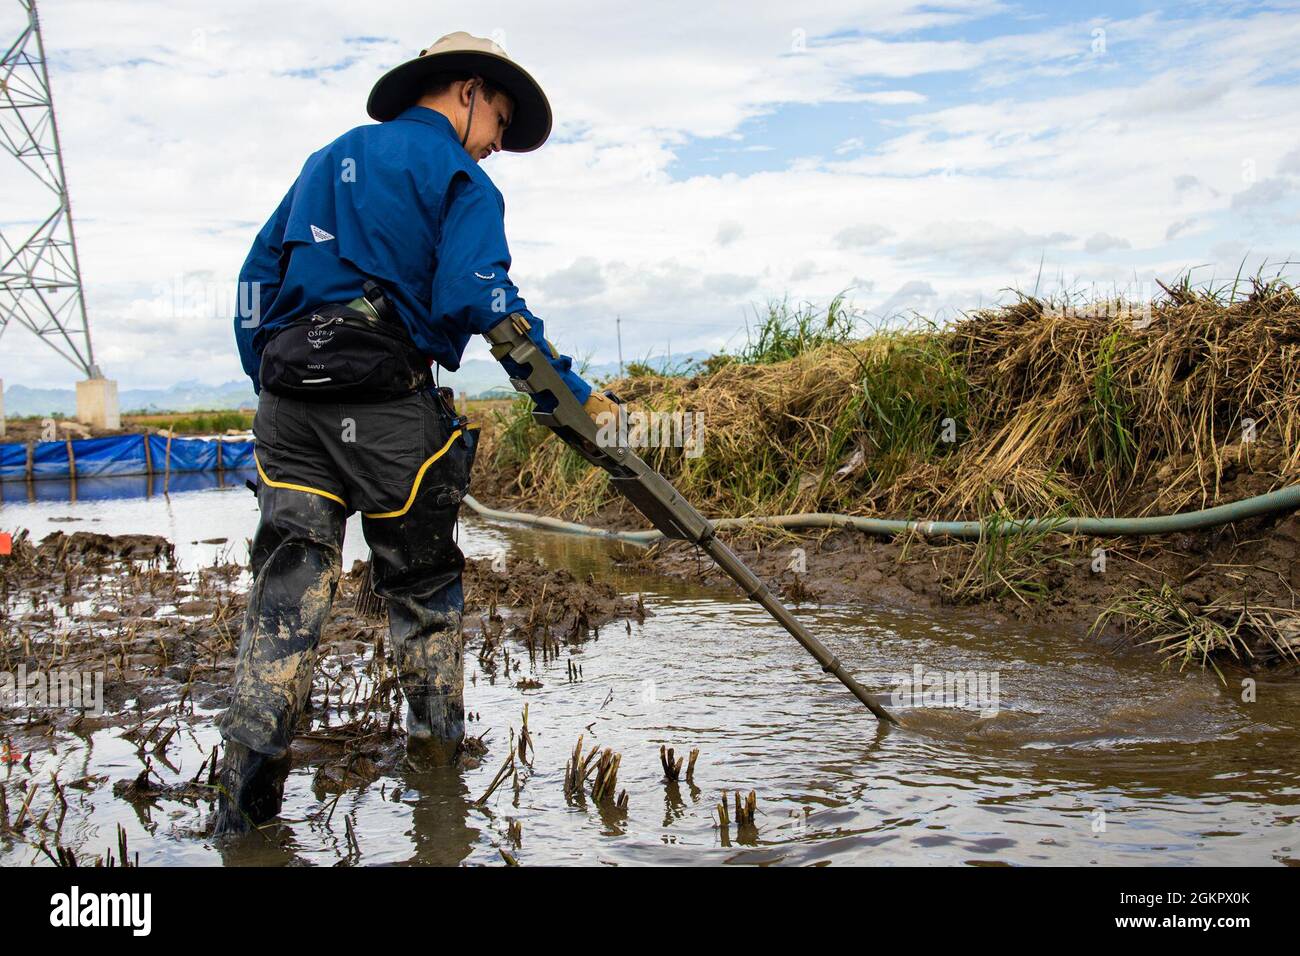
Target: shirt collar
{"type": "Point", "coordinates": [422, 114]}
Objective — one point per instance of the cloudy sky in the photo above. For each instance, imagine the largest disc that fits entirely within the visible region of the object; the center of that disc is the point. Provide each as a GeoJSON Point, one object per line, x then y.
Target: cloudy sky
{"type": "Point", "coordinates": [706, 157]}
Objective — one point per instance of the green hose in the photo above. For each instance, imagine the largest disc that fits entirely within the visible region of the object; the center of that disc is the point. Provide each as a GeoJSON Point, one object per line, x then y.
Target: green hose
{"type": "Point", "coordinates": [1283, 499]}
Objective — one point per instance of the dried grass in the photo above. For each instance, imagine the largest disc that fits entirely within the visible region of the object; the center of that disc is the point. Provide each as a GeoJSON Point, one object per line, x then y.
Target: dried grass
{"type": "Point", "coordinates": [1026, 410]}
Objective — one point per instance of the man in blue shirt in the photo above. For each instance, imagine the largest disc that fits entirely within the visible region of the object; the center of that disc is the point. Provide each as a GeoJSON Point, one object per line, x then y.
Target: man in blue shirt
{"type": "Point", "coordinates": [386, 255]}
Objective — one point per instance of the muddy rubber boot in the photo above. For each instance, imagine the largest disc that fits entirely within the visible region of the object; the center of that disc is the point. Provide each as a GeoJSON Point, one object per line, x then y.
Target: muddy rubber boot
{"type": "Point", "coordinates": [432, 677]}
{"type": "Point", "coordinates": [252, 789]}
{"type": "Point", "coordinates": [287, 609]}
{"type": "Point", "coordinates": [296, 561]}
{"type": "Point", "coordinates": [435, 728]}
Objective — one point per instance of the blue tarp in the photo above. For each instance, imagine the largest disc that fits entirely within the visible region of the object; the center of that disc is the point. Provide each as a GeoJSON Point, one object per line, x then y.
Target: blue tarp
{"type": "Point", "coordinates": [124, 455]}
{"type": "Point", "coordinates": [237, 454]}
{"type": "Point", "coordinates": [107, 457]}
{"type": "Point", "coordinates": [13, 461]}
{"type": "Point", "coordinates": [50, 459]}
{"type": "Point", "coordinates": [187, 454]}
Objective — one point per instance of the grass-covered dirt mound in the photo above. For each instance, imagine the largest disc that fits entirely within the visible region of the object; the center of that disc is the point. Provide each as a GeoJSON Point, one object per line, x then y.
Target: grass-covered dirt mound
{"type": "Point", "coordinates": [1036, 409]}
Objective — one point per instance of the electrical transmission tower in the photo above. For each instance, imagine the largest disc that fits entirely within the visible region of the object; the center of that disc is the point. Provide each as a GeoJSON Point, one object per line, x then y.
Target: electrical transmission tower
{"type": "Point", "coordinates": [40, 277]}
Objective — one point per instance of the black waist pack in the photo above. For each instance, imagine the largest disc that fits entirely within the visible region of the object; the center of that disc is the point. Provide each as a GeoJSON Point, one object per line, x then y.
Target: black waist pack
{"type": "Point", "coordinates": [338, 354]}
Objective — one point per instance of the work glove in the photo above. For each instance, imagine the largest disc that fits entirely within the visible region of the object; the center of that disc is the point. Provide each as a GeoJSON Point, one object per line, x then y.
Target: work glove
{"type": "Point", "coordinates": [597, 404]}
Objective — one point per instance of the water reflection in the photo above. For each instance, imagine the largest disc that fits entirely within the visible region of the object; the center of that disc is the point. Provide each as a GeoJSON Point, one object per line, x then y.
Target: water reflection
{"type": "Point", "coordinates": [74, 490]}
{"type": "Point", "coordinates": [1092, 756]}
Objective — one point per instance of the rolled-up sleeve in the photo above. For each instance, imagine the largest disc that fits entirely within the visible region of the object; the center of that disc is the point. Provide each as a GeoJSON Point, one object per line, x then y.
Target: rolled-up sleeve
{"type": "Point", "coordinates": [471, 286]}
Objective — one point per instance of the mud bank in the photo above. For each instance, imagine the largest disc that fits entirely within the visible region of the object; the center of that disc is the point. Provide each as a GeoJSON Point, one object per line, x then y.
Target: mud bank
{"type": "Point", "coordinates": [1078, 585]}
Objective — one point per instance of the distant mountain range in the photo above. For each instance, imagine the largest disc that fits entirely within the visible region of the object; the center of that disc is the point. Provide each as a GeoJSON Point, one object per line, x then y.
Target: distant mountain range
{"type": "Point", "coordinates": [182, 397]}
{"type": "Point", "coordinates": [476, 378]}
{"type": "Point", "coordinates": [479, 378]}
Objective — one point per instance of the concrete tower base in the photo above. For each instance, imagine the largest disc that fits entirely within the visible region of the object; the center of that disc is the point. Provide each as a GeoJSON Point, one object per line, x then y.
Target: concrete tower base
{"type": "Point", "coordinates": [97, 404]}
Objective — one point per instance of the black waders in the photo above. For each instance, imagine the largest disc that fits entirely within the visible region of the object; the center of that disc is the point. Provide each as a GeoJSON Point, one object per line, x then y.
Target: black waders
{"type": "Point", "coordinates": [405, 465]}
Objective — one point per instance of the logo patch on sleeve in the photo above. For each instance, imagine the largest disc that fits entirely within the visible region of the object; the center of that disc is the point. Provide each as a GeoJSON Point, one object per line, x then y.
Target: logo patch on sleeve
{"type": "Point", "coordinates": [319, 234]}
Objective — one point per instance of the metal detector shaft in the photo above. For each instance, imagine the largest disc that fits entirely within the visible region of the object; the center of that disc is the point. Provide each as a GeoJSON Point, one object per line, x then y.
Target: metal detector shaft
{"type": "Point", "coordinates": [605, 445]}
{"type": "Point", "coordinates": [760, 592]}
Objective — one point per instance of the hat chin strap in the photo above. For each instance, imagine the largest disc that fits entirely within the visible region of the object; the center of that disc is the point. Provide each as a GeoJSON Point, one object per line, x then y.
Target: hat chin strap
{"type": "Point", "coordinates": [469, 122]}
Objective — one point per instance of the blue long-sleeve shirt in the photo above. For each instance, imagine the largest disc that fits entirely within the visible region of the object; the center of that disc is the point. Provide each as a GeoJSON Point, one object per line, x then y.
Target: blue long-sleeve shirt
{"type": "Point", "coordinates": [402, 203]}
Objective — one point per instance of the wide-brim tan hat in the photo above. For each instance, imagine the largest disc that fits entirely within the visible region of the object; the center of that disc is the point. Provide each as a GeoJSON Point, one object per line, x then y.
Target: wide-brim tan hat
{"type": "Point", "coordinates": [456, 52]}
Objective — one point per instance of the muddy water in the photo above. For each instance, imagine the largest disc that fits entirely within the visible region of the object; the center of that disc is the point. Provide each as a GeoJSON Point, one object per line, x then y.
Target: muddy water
{"type": "Point", "coordinates": [1090, 757]}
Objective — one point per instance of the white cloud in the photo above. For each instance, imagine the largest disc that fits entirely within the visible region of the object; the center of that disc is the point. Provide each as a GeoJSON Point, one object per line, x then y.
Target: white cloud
{"type": "Point", "coordinates": [913, 295]}
{"type": "Point", "coordinates": [581, 280]}
{"type": "Point", "coordinates": [729, 285]}
{"type": "Point", "coordinates": [729, 232]}
{"type": "Point", "coordinates": [1100, 242]}
{"type": "Point", "coordinates": [184, 123]}
{"type": "Point", "coordinates": [893, 98]}
{"type": "Point", "coordinates": [1266, 192]}
{"type": "Point", "coordinates": [978, 243]}
{"type": "Point", "coordinates": [1290, 163]}
{"type": "Point", "coordinates": [861, 235]}
{"type": "Point", "coordinates": [803, 270]}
